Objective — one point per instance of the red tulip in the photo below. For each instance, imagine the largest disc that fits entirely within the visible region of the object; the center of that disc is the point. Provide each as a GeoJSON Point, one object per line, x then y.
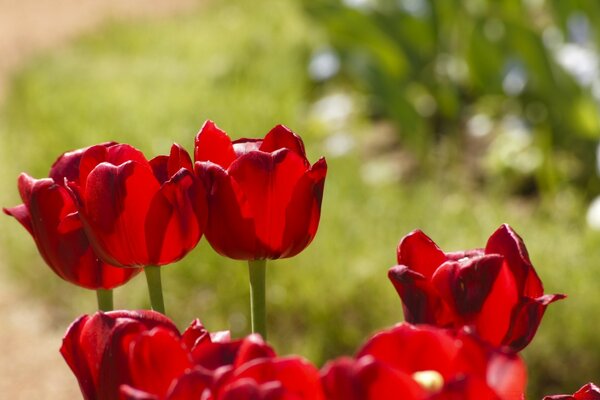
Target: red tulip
{"type": "Point", "coordinates": [495, 290]}
{"type": "Point", "coordinates": [96, 349]}
{"type": "Point", "coordinates": [587, 392]}
{"type": "Point", "coordinates": [138, 212]}
{"type": "Point", "coordinates": [424, 362]}
{"type": "Point", "coordinates": [264, 196]}
{"type": "Point", "coordinates": [50, 216]}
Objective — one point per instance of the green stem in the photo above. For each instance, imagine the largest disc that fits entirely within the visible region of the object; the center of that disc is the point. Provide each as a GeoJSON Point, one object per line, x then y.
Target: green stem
{"type": "Point", "coordinates": [258, 311]}
{"type": "Point", "coordinates": [105, 299]}
{"type": "Point", "coordinates": [155, 288]}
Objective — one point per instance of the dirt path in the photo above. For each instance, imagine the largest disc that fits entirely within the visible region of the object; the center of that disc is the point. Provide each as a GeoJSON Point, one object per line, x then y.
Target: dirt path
{"type": "Point", "coordinates": [30, 366]}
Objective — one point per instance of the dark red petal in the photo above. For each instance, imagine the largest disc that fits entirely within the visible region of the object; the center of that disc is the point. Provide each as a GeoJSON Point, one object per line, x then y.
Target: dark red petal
{"type": "Point", "coordinates": [175, 218]}
{"type": "Point", "coordinates": [410, 349]}
{"type": "Point", "coordinates": [55, 226]}
{"type": "Point", "coordinates": [156, 359]}
{"type": "Point", "coordinates": [213, 144]}
{"type": "Point", "coordinates": [25, 184]}
{"type": "Point", "coordinates": [228, 230]}
{"type": "Point", "coordinates": [76, 357]}
{"type": "Point", "coordinates": [66, 167]}
{"type": "Point", "coordinates": [421, 302]}
{"type": "Point", "coordinates": [304, 210]}
{"type": "Point", "coordinates": [465, 285]}
{"type": "Point", "coordinates": [21, 214]}
{"type": "Point", "coordinates": [281, 137]}
{"type": "Point", "coordinates": [117, 201]}
{"type": "Point", "coordinates": [247, 389]}
{"type": "Point", "coordinates": [525, 320]}
{"type": "Point", "coordinates": [85, 343]}
{"type": "Point", "coordinates": [160, 168]}
{"type": "Point", "coordinates": [179, 158]}
{"type": "Point", "coordinates": [506, 242]}
{"type": "Point", "coordinates": [419, 253]}
{"type": "Point", "coordinates": [264, 185]}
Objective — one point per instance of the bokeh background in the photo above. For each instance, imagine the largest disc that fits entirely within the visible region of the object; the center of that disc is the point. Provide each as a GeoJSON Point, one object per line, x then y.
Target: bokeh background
{"type": "Point", "coordinates": [450, 116]}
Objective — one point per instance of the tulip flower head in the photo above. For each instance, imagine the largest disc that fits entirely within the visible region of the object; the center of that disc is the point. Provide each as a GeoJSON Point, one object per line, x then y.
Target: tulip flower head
{"type": "Point", "coordinates": [424, 363]}
{"type": "Point", "coordinates": [495, 291]}
{"type": "Point", "coordinates": [50, 215]}
{"type": "Point", "coordinates": [138, 212]}
{"type": "Point", "coordinates": [587, 392]}
{"type": "Point", "coordinates": [264, 196]}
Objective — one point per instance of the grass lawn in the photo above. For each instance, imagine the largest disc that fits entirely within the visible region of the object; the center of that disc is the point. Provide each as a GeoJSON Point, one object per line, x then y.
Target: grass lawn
{"type": "Point", "coordinates": [243, 65]}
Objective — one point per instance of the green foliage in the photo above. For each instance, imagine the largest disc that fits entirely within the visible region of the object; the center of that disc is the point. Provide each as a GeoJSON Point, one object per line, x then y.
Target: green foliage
{"type": "Point", "coordinates": [432, 66]}
{"type": "Point", "coordinates": [152, 83]}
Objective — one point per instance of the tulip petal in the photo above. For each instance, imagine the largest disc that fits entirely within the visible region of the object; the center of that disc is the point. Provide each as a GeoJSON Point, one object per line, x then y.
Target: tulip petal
{"type": "Point", "coordinates": [419, 253]}
{"type": "Point", "coordinates": [411, 349]}
{"type": "Point", "coordinates": [190, 385]}
{"type": "Point", "coordinates": [228, 231]}
{"type": "Point", "coordinates": [465, 285]}
{"type": "Point", "coordinates": [421, 302]}
{"type": "Point", "coordinates": [299, 378]}
{"type": "Point", "coordinates": [21, 214]}
{"type": "Point", "coordinates": [526, 318]}
{"type": "Point", "coordinates": [177, 217]}
{"type": "Point", "coordinates": [367, 379]}
{"type": "Point", "coordinates": [212, 144]}
{"type": "Point", "coordinates": [507, 242]}
{"type": "Point", "coordinates": [265, 186]}
{"type": "Point", "coordinates": [66, 167]}
{"type": "Point", "coordinates": [281, 137]}
{"type": "Point", "coordinates": [156, 359]}
{"type": "Point", "coordinates": [304, 210]}
{"type": "Point", "coordinates": [117, 201]}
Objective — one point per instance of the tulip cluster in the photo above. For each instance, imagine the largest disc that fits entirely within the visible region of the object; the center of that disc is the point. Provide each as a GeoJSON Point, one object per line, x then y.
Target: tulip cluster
{"type": "Point", "coordinates": [106, 212]}
{"type": "Point", "coordinates": [140, 355]}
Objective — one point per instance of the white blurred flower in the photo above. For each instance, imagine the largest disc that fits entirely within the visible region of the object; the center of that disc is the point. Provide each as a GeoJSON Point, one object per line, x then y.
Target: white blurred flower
{"type": "Point", "coordinates": [339, 144]}
{"type": "Point", "coordinates": [580, 61]}
{"type": "Point", "coordinates": [593, 214]}
{"type": "Point", "coordinates": [323, 65]}
{"type": "Point", "coordinates": [479, 125]}
{"type": "Point", "coordinates": [333, 110]}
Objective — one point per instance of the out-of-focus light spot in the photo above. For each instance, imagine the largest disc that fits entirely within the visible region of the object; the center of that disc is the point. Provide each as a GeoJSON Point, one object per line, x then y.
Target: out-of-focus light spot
{"type": "Point", "coordinates": [333, 110]}
{"type": "Point", "coordinates": [455, 68]}
{"type": "Point", "coordinates": [323, 65]}
{"type": "Point", "coordinates": [480, 125]}
{"type": "Point", "coordinates": [580, 61]}
{"type": "Point", "coordinates": [514, 80]}
{"type": "Point", "coordinates": [598, 159]}
{"type": "Point", "coordinates": [578, 27]}
{"type": "Point", "coordinates": [416, 8]}
{"type": "Point", "coordinates": [339, 144]}
{"type": "Point", "coordinates": [494, 29]}
{"type": "Point", "coordinates": [425, 104]}
{"type": "Point", "coordinates": [362, 5]}
{"type": "Point", "coordinates": [593, 214]}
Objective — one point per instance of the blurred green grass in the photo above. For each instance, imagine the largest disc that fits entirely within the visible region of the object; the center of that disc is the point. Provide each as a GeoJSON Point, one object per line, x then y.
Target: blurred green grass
{"type": "Point", "coordinates": [244, 66]}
